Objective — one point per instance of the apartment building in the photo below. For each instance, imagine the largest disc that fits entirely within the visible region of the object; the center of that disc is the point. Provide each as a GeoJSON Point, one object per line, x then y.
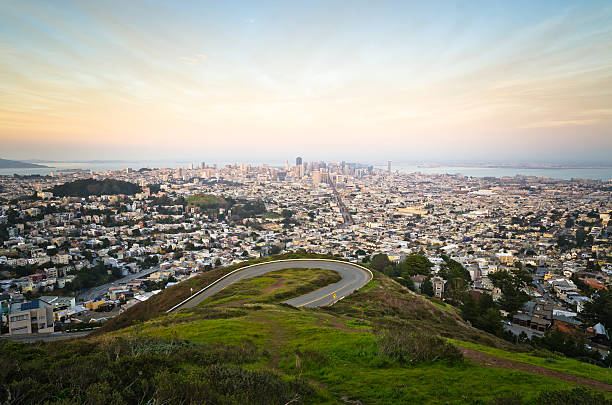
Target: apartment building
{"type": "Point", "coordinates": [34, 316]}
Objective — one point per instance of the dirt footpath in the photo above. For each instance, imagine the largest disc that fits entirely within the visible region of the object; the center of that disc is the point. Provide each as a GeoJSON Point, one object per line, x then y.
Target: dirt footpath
{"type": "Point", "coordinates": [487, 360]}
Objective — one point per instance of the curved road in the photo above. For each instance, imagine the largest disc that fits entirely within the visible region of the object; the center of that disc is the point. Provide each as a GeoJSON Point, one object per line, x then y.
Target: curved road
{"type": "Point", "coordinates": [353, 278]}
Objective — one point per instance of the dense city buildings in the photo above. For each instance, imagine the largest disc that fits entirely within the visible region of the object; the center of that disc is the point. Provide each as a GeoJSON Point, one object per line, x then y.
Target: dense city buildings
{"type": "Point", "coordinates": [71, 257]}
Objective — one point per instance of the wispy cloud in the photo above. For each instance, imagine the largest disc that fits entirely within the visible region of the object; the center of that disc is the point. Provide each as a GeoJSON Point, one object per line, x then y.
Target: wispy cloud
{"type": "Point", "coordinates": [194, 60]}
{"type": "Point", "coordinates": [309, 71]}
{"type": "Point", "coordinates": [562, 123]}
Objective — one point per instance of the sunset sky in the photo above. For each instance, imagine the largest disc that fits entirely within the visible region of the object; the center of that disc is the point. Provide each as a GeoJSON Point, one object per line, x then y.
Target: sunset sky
{"type": "Point", "coordinates": [369, 81]}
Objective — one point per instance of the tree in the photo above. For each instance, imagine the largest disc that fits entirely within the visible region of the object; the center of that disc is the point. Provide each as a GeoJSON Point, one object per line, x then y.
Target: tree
{"type": "Point", "coordinates": [415, 264]}
{"type": "Point", "coordinates": [407, 282]}
{"type": "Point", "coordinates": [427, 287]}
{"type": "Point", "coordinates": [452, 269]}
{"type": "Point", "coordinates": [456, 290]}
{"type": "Point", "coordinates": [511, 283]}
{"type": "Point", "coordinates": [390, 271]}
{"type": "Point", "coordinates": [563, 242]}
{"type": "Point", "coordinates": [566, 343]}
{"type": "Point", "coordinates": [482, 313]}
{"type": "Point", "coordinates": [582, 286]}
{"type": "Point", "coordinates": [380, 261]}
{"type": "Point", "coordinates": [599, 309]}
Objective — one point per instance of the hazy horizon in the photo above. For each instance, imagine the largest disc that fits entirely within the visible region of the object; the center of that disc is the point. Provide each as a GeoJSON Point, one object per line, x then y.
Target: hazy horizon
{"type": "Point", "coordinates": [357, 81]}
{"type": "Point", "coordinates": [291, 160]}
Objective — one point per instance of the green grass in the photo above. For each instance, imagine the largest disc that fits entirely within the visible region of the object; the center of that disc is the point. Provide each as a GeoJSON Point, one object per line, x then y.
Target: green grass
{"type": "Point", "coordinates": [558, 363]}
{"type": "Point", "coordinates": [428, 383]}
{"type": "Point", "coordinates": [442, 304]}
{"type": "Point", "coordinates": [226, 331]}
{"type": "Point", "coordinates": [271, 215]}
{"type": "Point", "coordinates": [207, 201]}
{"type": "Point", "coordinates": [158, 304]}
{"type": "Point", "coordinates": [304, 342]}
{"type": "Point", "coordinates": [336, 348]}
{"type": "Point", "coordinates": [274, 287]}
{"type": "Point", "coordinates": [371, 284]}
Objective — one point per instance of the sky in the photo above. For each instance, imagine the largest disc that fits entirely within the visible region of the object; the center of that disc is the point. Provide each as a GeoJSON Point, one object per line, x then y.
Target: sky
{"type": "Point", "coordinates": [409, 81]}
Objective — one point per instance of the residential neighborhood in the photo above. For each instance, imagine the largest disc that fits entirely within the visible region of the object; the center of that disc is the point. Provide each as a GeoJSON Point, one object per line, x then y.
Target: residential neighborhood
{"type": "Point", "coordinates": [80, 260]}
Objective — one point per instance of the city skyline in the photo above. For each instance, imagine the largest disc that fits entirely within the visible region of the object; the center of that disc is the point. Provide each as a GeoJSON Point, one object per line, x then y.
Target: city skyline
{"type": "Point", "coordinates": [403, 82]}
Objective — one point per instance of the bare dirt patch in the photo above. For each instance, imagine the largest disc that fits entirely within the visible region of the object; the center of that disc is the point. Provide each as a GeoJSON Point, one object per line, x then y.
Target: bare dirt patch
{"type": "Point", "coordinates": [274, 287]}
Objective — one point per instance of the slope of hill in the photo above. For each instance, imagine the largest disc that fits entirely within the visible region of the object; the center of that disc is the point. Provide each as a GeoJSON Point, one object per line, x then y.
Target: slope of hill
{"type": "Point", "coordinates": [14, 164]}
{"type": "Point", "coordinates": [87, 187]}
{"type": "Point", "coordinates": [381, 345]}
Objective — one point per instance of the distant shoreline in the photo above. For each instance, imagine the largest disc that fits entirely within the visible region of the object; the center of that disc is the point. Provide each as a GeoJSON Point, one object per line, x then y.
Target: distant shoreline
{"type": "Point", "coordinates": [517, 166]}
{"type": "Point", "coordinates": [16, 164]}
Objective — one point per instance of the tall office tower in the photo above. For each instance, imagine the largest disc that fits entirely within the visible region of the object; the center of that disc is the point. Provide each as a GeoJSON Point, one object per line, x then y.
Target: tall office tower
{"type": "Point", "coordinates": [298, 161]}
{"type": "Point", "coordinates": [190, 166]}
{"type": "Point", "coordinates": [203, 165]}
{"type": "Point", "coordinates": [316, 177]}
{"type": "Point", "coordinates": [287, 165]}
{"type": "Point", "coordinates": [324, 177]}
{"type": "Point", "coordinates": [389, 166]}
{"type": "Point", "coordinates": [301, 166]}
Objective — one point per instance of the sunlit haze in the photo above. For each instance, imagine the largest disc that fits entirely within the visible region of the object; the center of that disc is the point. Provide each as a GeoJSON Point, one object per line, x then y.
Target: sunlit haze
{"type": "Point", "coordinates": [368, 81]}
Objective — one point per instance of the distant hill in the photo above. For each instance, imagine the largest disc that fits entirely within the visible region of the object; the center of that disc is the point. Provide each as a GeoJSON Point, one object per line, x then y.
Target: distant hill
{"type": "Point", "coordinates": [240, 208]}
{"type": "Point", "coordinates": [88, 187]}
{"type": "Point", "coordinates": [208, 201]}
{"type": "Point", "coordinates": [14, 164]}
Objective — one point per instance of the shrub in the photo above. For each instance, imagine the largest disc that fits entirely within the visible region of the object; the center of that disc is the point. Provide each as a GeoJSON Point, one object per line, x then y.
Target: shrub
{"type": "Point", "coordinates": [143, 370]}
{"type": "Point", "coordinates": [411, 348]}
{"type": "Point", "coordinates": [576, 396]}
{"type": "Point", "coordinates": [511, 399]}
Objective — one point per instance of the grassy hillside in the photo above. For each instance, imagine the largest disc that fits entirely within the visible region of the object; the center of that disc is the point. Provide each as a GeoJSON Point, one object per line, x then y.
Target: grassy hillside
{"type": "Point", "coordinates": [158, 304]}
{"type": "Point", "coordinates": [381, 345]}
{"type": "Point", "coordinates": [240, 208]}
{"type": "Point", "coordinates": [207, 201]}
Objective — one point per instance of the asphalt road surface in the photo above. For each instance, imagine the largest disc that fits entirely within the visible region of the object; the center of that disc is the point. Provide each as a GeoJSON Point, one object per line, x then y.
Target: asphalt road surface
{"type": "Point", "coordinates": [44, 337]}
{"type": "Point", "coordinates": [353, 278]}
{"type": "Point", "coordinates": [99, 291]}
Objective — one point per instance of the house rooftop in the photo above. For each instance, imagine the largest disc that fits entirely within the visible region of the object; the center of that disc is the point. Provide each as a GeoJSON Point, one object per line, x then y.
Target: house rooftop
{"type": "Point", "coordinates": [26, 306]}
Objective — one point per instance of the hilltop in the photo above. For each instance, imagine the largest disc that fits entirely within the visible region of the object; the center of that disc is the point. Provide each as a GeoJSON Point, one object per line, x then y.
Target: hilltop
{"type": "Point", "coordinates": [240, 208]}
{"type": "Point", "coordinates": [88, 187]}
{"type": "Point", "coordinates": [15, 164]}
{"type": "Point", "coordinates": [381, 345]}
{"type": "Point", "coordinates": [207, 201]}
